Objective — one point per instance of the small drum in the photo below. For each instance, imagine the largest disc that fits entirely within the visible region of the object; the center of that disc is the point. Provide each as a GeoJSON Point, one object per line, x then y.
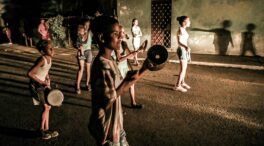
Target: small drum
{"type": "Point", "coordinates": [156, 57]}
{"type": "Point", "coordinates": [55, 97]}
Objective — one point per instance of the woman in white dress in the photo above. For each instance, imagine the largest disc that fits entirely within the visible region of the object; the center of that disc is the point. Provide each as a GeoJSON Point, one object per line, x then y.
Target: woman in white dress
{"type": "Point", "coordinates": [136, 33]}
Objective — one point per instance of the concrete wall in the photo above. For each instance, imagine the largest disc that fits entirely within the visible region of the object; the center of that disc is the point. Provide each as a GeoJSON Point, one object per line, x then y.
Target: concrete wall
{"type": "Point", "coordinates": [140, 9]}
{"type": "Point", "coordinates": [206, 15]}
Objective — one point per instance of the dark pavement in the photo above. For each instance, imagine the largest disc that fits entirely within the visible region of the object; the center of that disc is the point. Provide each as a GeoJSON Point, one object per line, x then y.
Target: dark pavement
{"type": "Point", "coordinates": [224, 107]}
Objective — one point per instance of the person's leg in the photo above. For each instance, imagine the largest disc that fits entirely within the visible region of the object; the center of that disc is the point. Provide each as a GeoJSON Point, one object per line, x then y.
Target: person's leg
{"type": "Point", "coordinates": [133, 98]}
{"type": "Point", "coordinates": [45, 123]}
{"type": "Point", "coordinates": [135, 46]}
{"type": "Point", "coordinates": [45, 118]}
{"type": "Point", "coordinates": [47, 109]}
{"type": "Point", "coordinates": [88, 72]}
{"type": "Point", "coordinates": [183, 84]}
{"type": "Point", "coordinates": [46, 133]}
{"type": "Point", "coordinates": [132, 94]}
{"type": "Point", "coordinates": [182, 72]}
{"type": "Point", "coordinates": [179, 77]}
{"type": "Point", "coordinates": [25, 38]}
{"type": "Point", "coordinates": [254, 51]}
{"type": "Point", "coordinates": [8, 34]}
{"type": "Point", "coordinates": [30, 42]}
{"type": "Point", "coordinates": [79, 76]}
{"type": "Point", "coordinates": [135, 59]}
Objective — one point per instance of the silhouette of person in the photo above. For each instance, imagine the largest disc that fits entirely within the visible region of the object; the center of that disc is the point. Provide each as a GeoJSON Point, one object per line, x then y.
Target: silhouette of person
{"type": "Point", "coordinates": [222, 37]}
{"type": "Point", "coordinates": [26, 32]}
{"type": "Point", "coordinates": [8, 33]}
{"type": "Point", "coordinates": [247, 40]}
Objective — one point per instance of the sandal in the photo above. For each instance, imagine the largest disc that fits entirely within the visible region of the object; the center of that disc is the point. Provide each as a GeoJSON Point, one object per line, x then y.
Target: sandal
{"type": "Point", "coordinates": [137, 106]}
{"type": "Point", "coordinates": [54, 134]}
{"type": "Point", "coordinates": [78, 91]}
{"type": "Point", "coordinates": [88, 88]}
{"type": "Point", "coordinates": [45, 134]}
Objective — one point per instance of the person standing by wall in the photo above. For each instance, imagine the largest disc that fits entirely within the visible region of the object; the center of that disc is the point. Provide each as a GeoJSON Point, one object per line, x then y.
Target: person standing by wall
{"type": "Point", "coordinates": [26, 32]}
{"type": "Point", "coordinates": [136, 33]}
{"type": "Point", "coordinates": [183, 52]}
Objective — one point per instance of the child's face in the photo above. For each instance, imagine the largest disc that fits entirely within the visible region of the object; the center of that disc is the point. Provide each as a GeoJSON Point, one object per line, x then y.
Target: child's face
{"type": "Point", "coordinates": [87, 25]}
{"type": "Point", "coordinates": [136, 22]}
{"type": "Point", "coordinates": [122, 32]}
{"type": "Point", "coordinates": [115, 37]}
{"type": "Point", "coordinates": [187, 22]}
{"type": "Point", "coordinates": [50, 50]}
{"type": "Point", "coordinates": [82, 31]}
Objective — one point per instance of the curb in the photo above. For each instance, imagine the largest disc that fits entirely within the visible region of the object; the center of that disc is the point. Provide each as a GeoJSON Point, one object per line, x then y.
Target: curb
{"type": "Point", "coordinates": [239, 66]}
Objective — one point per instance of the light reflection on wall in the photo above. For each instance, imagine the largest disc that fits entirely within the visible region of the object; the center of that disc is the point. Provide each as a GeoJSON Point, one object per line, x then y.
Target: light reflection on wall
{"type": "Point", "coordinates": [2, 11]}
{"type": "Point", "coordinates": [2, 7]}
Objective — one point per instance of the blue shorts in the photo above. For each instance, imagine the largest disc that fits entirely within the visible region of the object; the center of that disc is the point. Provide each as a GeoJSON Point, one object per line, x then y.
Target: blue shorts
{"type": "Point", "coordinates": [183, 54]}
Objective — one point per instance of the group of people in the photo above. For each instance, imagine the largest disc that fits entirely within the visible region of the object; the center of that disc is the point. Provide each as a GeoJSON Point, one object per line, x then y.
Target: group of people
{"type": "Point", "coordinates": [26, 31]}
{"type": "Point", "coordinates": [109, 77]}
{"type": "Point", "coordinates": [121, 56]}
{"type": "Point", "coordinates": [39, 73]}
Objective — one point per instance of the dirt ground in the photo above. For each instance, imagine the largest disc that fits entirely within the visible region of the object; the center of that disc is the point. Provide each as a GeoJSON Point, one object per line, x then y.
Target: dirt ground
{"type": "Point", "coordinates": [224, 106]}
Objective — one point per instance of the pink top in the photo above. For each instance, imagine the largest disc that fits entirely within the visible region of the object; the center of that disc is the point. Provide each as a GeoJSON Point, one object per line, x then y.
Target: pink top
{"type": "Point", "coordinates": [43, 30]}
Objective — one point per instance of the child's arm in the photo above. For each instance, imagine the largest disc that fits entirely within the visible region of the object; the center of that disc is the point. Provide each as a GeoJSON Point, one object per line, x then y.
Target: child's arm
{"type": "Point", "coordinates": [133, 32]}
{"type": "Point", "coordinates": [129, 55]}
{"type": "Point", "coordinates": [81, 50]}
{"type": "Point", "coordinates": [140, 33]}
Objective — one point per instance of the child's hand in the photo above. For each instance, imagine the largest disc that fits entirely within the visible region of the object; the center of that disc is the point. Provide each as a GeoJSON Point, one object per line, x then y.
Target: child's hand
{"type": "Point", "coordinates": [46, 83]}
{"type": "Point", "coordinates": [131, 76]}
{"type": "Point", "coordinates": [130, 79]}
{"type": "Point", "coordinates": [81, 50]}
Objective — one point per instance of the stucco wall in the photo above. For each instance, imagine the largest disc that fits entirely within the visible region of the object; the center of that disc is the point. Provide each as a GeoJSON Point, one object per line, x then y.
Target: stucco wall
{"type": "Point", "coordinates": [140, 9]}
{"type": "Point", "coordinates": [207, 15]}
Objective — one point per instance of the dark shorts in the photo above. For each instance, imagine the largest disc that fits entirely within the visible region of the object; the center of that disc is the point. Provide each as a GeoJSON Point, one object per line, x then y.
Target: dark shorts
{"type": "Point", "coordinates": [38, 92]}
{"type": "Point", "coordinates": [88, 56]}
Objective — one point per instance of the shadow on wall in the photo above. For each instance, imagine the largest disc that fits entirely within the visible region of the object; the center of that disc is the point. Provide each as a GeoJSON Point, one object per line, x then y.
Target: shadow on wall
{"type": "Point", "coordinates": [247, 43]}
{"type": "Point", "coordinates": [222, 37]}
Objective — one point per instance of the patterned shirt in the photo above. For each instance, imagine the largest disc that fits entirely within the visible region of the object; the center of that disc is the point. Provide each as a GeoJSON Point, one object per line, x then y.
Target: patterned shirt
{"type": "Point", "coordinates": [107, 116]}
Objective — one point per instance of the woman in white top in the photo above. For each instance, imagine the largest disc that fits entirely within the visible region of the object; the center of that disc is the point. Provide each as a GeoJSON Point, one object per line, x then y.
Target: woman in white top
{"type": "Point", "coordinates": [136, 33]}
{"type": "Point", "coordinates": [183, 52]}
